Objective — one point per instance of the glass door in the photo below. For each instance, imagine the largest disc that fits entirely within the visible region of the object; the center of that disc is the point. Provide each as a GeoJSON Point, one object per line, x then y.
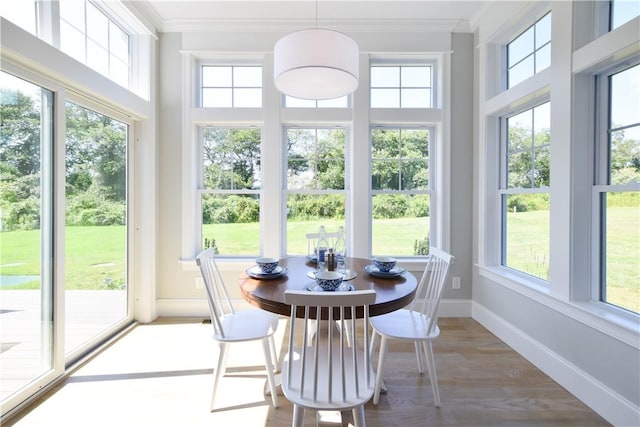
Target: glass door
{"type": "Point", "coordinates": [26, 239]}
{"type": "Point", "coordinates": [95, 227]}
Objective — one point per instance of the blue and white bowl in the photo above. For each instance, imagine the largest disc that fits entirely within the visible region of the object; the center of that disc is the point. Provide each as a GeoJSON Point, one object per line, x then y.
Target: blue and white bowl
{"type": "Point", "coordinates": [267, 265]}
{"type": "Point", "coordinates": [329, 280]}
{"type": "Point", "coordinates": [384, 263]}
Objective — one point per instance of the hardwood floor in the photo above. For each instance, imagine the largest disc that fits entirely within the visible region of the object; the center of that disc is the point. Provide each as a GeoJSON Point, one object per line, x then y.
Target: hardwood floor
{"type": "Point", "coordinates": [161, 375]}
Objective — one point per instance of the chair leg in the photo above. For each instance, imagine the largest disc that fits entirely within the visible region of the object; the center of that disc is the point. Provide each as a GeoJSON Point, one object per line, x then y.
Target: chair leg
{"type": "Point", "coordinates": [372, 345]}
{"type": "Point", "coordinates": [298, 416]}
{"type": "Point", "coordinates": [431, 366]}
{"type": "Point", "coordinates": [274, 355]}
{"type": "Point", "coordinates": [220, 369]}
{"type": "Point", "coordinates": [358, 416]}
{"type": "Point", "coordinates": [266, 347]}
{"type": "Point", "coordinates": [419, 356]}
{"type": "Point", "coordinates": [383, 351]}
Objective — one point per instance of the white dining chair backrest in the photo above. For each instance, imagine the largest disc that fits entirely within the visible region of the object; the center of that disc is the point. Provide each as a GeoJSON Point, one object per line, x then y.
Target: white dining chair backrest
{"type": "Point", "coordinates": [217, 295]}
{"type": "Point", "coordinates": [431, 286]}
{"type": "Point", "coordinates": [325, 373]}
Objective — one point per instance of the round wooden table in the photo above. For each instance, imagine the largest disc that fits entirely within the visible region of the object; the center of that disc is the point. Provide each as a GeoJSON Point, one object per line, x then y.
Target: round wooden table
{"type": "Point", "coordinates": [391, 293]}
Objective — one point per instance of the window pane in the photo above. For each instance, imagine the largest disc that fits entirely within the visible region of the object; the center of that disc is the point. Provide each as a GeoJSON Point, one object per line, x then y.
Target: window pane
{"type": "Point", "coordinates": [212, 98]}
{"type": "Point", "coordinates": [624, 158]}
{"type": "Point", "coordinates": [118, 43]}
{"type": "Point", "coordinates": [543, 58]}
{"type": "Point", "coordinates": [22, 13]}
{"type": "Point", "coordinates": [385, 143]}
{"type": "Point", "coordinates": [623, 11]}
{"type": "Point", "coordinates": [520, 130]}
{"type": "Point", "coordinates": [521, 47]}
{"type": "Point", "coordinates": [247, 98]}
{"type": "Point", "coordinates": [385, 76]}
{"type": "Point", "coordinates": [97, 26]}
{"type": "Point", "coordinates": [247, 76]}
{"type": "Point", "coordinates": [385, 174]}
{"type": "Point", "coordinates": [385, 98]}
{"type": "Point", "coordinates": [292, 102]}
{"type": "Point", "coordinates": [96, 224]}
{"type": "Point", "coordinates": [416, 77]}
{"type": "Point", "coordinates": [415, 143]}
{"type": "Point", "coordinates": [316, 159]}
{"type": "Point", "coordinates": [543, 31]}
{"type": "Point", "coordinates": [216, 76]}
{"type": "Point", "coordinates": [231, 223]}
{"type": "Point", "coordinates": [527, 233]}
{"type": "Point", "coordinates": [522, 71]}
{"type": "Point", "coordinates": [622, 246]}
{"type": "Point", "coordinates": [231, 158]}
{"type": "Point", "coordinates": [400, 224]}
{"type": "Point", "coordinates": [625, 98]}
{"type": "Point", "coordinates": [72, 11]}
{"type": "Point", "coordinates": [416, 98]}
{"type": "Point", "coordinates": [415, 174]}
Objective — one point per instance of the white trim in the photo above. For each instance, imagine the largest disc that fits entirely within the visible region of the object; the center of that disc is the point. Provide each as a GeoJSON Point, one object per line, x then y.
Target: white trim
{"type": "Point", "coordinates": [611, 322]}
{"type": "Point", "coordinates": [605, 401]}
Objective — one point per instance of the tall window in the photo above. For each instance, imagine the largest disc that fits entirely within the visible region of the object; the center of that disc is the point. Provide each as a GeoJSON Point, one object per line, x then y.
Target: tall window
{"type": "Point", "coordinates": [401, 187]}
{"type": "Point", "coordinates": [530, 52]}
{"type": "Point", "coordinates": [315, 183]}
{"type": "Point", "coordinates": [617, 189]}
{"type": "Point", "coordinates": [406, 86]}
{"type": "Point", "coordinates": [230, 183]}
{"type": "Point", "coordinates": [524, 191]}
{"type": "Point", "coordinates": [91, 37]}
{"type": "Point", "coordinates": [231, 86]}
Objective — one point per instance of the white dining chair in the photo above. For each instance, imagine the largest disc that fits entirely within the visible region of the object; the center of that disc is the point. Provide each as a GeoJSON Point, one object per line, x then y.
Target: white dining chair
{"type": "Point", "coordinates": [230, 326]}
{"type": "Point", "coordinates": [417, 323]}
{"type": "Point", "coordinates": [325, 373]}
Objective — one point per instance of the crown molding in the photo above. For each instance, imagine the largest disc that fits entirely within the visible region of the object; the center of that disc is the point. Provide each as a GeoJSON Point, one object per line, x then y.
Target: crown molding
{"type": "Point", "coordinates": [288, 25]}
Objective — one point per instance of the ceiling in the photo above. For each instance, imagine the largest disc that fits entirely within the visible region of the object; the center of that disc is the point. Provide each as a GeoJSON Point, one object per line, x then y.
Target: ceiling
{"type": "Point", "coordinates": [286, 15]}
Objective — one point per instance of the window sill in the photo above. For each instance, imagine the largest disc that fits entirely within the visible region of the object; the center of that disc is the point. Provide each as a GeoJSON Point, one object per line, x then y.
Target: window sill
{"type": "Point", "coordinates": [617, 323]}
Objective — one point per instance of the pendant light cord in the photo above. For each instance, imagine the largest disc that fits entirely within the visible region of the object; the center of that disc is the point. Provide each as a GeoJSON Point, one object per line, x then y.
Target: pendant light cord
{"type": "Point", "coordinates": [316, 13]}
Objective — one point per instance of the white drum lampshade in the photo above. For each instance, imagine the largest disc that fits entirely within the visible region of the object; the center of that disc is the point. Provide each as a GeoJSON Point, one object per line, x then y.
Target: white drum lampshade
{"type": "Point", "coordinates": [316, 64]}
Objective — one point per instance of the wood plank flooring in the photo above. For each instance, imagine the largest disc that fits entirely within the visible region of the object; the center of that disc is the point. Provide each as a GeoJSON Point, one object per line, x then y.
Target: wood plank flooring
{"type": "Point", "coordinates": [161, 375]}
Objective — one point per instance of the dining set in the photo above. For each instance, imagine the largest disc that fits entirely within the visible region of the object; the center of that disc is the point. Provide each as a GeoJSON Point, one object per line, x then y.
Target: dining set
{"type": "Point", "coordinates": [326, 367]}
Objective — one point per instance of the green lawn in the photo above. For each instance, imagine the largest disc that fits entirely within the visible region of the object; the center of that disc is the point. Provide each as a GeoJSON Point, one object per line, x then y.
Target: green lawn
{"type": "Point", "coordinates": [96, 255]}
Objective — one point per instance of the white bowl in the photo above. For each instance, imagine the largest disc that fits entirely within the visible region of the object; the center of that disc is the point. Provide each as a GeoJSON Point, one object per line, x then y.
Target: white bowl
{"type": "Point", "coordinates": [267, 265]}
{"type": "Point", "coordinates": [384, 263]}
{"type": "Point", "coordinates": [329, 280]}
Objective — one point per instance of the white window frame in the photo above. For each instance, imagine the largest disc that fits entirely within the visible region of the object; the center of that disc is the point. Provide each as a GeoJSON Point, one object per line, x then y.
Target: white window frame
{"type": "Point", "coordinates": [435, 100]}
{"type": "Point", "coordinates": [232, 87]}
{"type": "Point", "coordinates": [504, 190]}
{"type": "Point", "coordinates": [430, 190]}
{"type": "Point", "coordinates": [201, 191]}
{"type": "Point", "coordinates": [602, 186]}
{"type": "Point", "coordinates": [313, 192]}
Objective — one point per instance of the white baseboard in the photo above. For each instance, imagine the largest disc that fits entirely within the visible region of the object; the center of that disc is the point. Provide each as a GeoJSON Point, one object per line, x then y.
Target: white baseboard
{"type": "Point", "coordinates": [606, 402]}
{"type": "Point", "coordinates": [199, 307]}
